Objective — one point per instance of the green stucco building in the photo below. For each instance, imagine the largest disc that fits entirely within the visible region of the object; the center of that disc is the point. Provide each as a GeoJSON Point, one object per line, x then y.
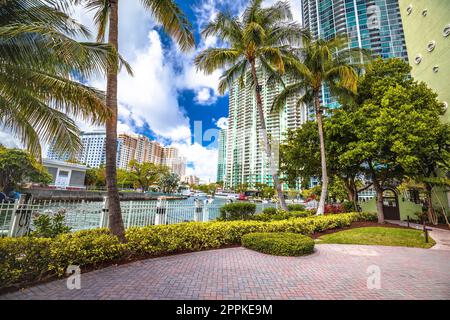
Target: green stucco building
{"type": "Point", "coordinates": [426, 27]}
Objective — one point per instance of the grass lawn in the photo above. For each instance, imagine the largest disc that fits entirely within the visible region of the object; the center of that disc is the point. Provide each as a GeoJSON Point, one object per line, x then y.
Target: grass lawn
{"type": "Point", "coordinates": [379, 236]}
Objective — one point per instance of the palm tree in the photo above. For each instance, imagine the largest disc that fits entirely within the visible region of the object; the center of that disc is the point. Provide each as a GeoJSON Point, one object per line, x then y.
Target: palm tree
{"type": "Point", "coordinates": [38, 61]}
{"type": "Point", "coordinates": [260, 38]}
{"type": "Point", "coordinates": [318, 63]}
{"type": "Point", "coordinates": [175, 23]}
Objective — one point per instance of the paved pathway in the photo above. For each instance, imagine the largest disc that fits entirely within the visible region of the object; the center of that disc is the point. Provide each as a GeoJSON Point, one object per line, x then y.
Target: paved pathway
{"type": "Point", "coordinates": [332, 272]}
{"type": "Point", "coordinates": [441, 236]}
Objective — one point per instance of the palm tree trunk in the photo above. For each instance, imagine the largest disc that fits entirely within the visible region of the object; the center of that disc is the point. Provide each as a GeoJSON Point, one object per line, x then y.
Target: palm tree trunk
{"type": "Point", "coordinates": [115, 216]}
{"type": "Point", "coordinates": [323, 160]}
{"type": "Point", "coordinates": [267, 148]}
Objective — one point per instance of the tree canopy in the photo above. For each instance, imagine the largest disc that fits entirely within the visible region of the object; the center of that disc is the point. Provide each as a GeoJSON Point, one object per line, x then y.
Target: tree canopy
{"type": "Point", "coordinates": [17, 167]}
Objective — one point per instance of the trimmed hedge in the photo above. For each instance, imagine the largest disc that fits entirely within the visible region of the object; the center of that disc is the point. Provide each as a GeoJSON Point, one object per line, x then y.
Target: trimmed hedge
{"type": "Point", "coordinates": [296, 207]}
{"type": "Point", "coordinates": [26, 259]}
{"type": "Point", "coordinates": [280, 215]}
{"type": "Point", "coordinates": [23, 259]}
{"type": "Point", "coordinates": [270, 210]}
{"type": "Point", "coordinates": [279, 243]}
{"type": "Point", "coordinates": [237, 211]}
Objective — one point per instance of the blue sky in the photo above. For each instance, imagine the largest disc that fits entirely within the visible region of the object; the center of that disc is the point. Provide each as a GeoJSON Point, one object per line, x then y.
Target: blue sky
{"type": "Point", "coordinates": [167, 99]}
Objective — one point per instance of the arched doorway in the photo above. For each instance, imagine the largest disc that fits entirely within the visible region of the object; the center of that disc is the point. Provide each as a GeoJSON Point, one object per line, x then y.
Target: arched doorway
{"type": "Point", "coordinates": [390, 205]}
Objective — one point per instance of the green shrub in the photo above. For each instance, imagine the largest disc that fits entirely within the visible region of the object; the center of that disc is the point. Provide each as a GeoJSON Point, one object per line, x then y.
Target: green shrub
{"type": "Point", "coordinates": [27, 259]}
{"type": "Point", "coordinates": [270, 210]}
{"type": "Point", "coordinates": [84, 248]}
{"type": "Point", "coordinates": [280, 215]}
{"type": "Point", "coordinates": [301, 214]}
{"type": "Point", "coordinates": [365, 216]}
{"type": "Point", "coordinates": [279, 243]}
{"type": "Point", "coordinates": [48, 226]}
{"type": "Point", "coordinates": [23, 260]}
{"type": "Point", "coordinates": [296, 207]}
{"type": "Point", "coordinates": [237, 211]}
{"type": "Point", "coordinates": [277, 215]}
{"type": "Point", "coordinates": [349, 206]}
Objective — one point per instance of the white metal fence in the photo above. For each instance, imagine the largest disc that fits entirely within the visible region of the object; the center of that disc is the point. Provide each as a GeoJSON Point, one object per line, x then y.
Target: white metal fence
{"type": "Point", "coordinates": [16, 218]}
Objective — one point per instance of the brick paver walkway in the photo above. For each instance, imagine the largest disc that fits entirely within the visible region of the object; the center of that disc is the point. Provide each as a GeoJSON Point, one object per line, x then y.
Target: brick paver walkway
{"type": "Point", "coordinates": [332, 272]}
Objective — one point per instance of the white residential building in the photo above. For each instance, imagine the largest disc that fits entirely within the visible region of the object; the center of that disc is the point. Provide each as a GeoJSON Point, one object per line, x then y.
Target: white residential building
{"type": "Point", "coordinates": [93, 152]}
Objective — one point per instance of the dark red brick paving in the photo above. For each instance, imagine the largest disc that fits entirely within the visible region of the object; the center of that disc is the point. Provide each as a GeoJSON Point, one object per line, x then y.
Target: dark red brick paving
{"type": "Point", "coordinates": [333, 272]}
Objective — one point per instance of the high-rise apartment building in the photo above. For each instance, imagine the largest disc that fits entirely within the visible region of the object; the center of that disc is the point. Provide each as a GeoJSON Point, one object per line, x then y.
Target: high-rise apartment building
{"type": "Point", "coordinates": [190, 180]}
{"type": "Point", "coordinates": [129, 147]}
{"type": "Point", "coordinates": [139, 148]}
{"type": "Point", "coordinates": [375, 25]}
{"type": "Point", "coordinates": [172, 159]}
{"type": "Point", "coordinates": [127, 150]}
{"type": "Point", "coordinates": [426, 26]}
{"type": "Point", "coordinates": [222, 156]}
{"type": "Point", "coordinates": [93, 152]}
{"type": "Point", "coordinates": [246, 161]}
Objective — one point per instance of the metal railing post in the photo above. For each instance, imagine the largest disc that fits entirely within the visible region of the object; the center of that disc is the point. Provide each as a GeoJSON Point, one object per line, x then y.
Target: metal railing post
{"type": "Point", "coordinates": [130, 209]}
{"type": "Point", "coordinates": [105, 213]}
{"type": "Point", "coordinates": [205, 217]}
{"type": "Point", "coordinates": [21, 212]}
{"type": "Point", "coordinates": [161, 209]}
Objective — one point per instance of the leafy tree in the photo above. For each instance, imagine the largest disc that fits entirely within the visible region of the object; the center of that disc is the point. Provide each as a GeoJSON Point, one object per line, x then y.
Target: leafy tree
{"type": "Point", "coordinates": [318, 63]}
{"type": "Point", "coordinates": [433, 166]}
{"type": "Point", "coordinates": [168, 182]}
{"type": "Point", "coordinates": [95, 177]}
{"type": "Point", "coordinates": [337, 190]}
{"type": "Point", "coordinates": [125, 178]}
{"type": "Point", "coordinates": [267, 192]}
{"type": "Point", "coordinates": [300, 154]}
{"type": "Point", "coordinates": [17, 167]}
{"type": "Point", "coordinates": [300, 157]}
{"type": "Point", "coordinates": [394, 124]}
{"type": "Point", "coordinates": [209, 188]}
{"type": "Point", "coordinates": [242, 187]}
{"type": "Point", "coordinates": [146, 174]}
{"type": "Point", "coordinates": [38, 99]}
{"type": "Point", "coordinates": [260, 39]}
{"type": "Point", "coordinates": [312, 193]}
{"type": "Point", "coordinates": [175, 23]}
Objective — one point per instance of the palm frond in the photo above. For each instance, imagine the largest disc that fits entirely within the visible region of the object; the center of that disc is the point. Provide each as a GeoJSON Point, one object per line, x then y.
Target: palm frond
{"type": "Point", "coordinates": [212, 59]}
{"type": "Point", "coordinates": [287, 92]}
{"type": "Point", "coordinates": [237, 71]}
{"type": "Point", "coordinates": [173, 20]}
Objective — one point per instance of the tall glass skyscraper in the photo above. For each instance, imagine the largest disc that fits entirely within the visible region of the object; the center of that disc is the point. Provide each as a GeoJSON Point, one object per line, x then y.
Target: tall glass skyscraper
{"type": "Point", "coordinates": [222, 156]}
{"type": "Point", "coordinates": [370, 24]}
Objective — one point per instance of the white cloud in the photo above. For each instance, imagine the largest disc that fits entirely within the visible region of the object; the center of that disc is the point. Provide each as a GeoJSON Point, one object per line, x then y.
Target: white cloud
{"type": "Point", "coordinates": [8, 140]}
{"type": "Point", "coordinates": [205, 96]}
{"type": "Point", "coordinates": [203, 161]}
{"type": "Point", "coordinates": [222, 123]}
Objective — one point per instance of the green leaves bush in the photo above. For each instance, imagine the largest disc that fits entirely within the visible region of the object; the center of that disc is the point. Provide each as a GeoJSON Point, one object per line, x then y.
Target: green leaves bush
{"type": "Point", "coordinates": [237, 211]}
{"type": "Point", "coordinates": [84, 248]}
{"type": "Point", "coordinates": [49, 226]}
{"type": "Point", "coordinates": [279, 243]}
{"type": "Point", "coordinates": [270, 215]}
{"type": "Point", "coordinates": [296, 207]}
{"type": "Point", "coordinates": [270, 210]}
{"type": "Point", "coordinates": [23, 260]}
{"type": "Point", "coordinates": [27, 259]}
